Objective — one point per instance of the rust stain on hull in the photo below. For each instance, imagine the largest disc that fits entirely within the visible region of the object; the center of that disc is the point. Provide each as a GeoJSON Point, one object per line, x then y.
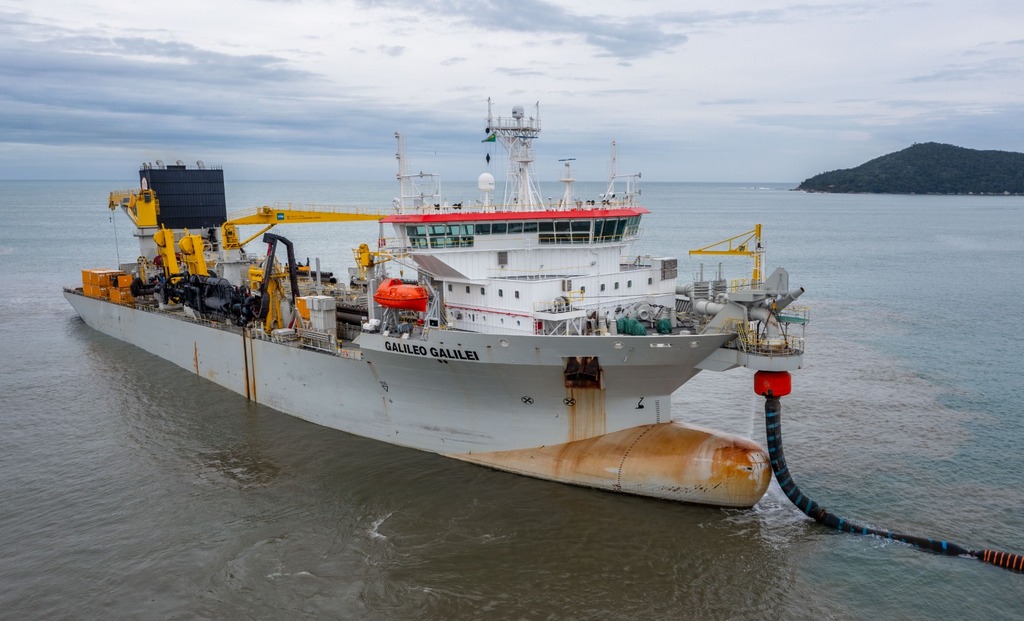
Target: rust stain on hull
{"type": "Point", "coordinates": [664, 460]}
{"type": "Point", "coordinates": [587, 416]}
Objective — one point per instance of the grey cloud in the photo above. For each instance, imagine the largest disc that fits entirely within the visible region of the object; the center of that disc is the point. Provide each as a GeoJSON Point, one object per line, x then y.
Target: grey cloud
{"type": "Point", "coordinates": [60, 88]}
{"type": "Point", "coordinates": [634, 37]}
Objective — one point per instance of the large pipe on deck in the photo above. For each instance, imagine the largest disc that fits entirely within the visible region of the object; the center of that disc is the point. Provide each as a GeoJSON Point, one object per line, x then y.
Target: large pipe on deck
{"type": "Point", "coordinates": [759, 313]}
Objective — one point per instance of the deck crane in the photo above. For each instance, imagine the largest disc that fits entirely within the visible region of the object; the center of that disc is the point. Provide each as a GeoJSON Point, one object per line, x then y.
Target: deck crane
{"type": "Point", "coordinates": [270, 217]}
{"type": "Point", "coordinates": [746, 244]}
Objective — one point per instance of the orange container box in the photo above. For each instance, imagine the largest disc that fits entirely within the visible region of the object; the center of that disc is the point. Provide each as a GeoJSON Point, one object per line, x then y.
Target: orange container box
{"type": "Point", "coordinates": [121, 296]}
{"type": "Point", "coordinates": [303, 308]}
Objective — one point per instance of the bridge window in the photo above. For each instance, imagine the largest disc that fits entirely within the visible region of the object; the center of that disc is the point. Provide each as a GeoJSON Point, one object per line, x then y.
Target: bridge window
{"type": "Point", "coordinates": [565, 232]}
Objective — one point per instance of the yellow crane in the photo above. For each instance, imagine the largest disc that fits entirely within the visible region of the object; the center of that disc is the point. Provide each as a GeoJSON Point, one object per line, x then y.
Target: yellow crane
{"type": "Point", "coordinates": [143, 207]}
{"type": "Point", "coordinates": [270, 217]}
{"type": "Point", "coordinates": [746, 244]}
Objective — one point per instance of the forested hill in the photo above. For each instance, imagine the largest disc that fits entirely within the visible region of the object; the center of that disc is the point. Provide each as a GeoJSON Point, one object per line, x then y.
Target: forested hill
{"type": "Point", "coordinates": [928, 168]}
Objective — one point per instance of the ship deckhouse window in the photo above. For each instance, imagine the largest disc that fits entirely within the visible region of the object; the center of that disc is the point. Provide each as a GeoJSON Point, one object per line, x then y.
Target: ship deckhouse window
{"type": "Point", "coordinates": [481, 291]}
{"type": "Point", "coordinates": [616, 285]}
{"type": "Point", "coordinates": [517, 295]}
{"type": "Point", "coordinates": [529, 227]}
{"type": "Point", "coordinates": [629, 284]}
{"type": "Point", "coordinates": [483, 228]}
{"type": "Point", "coordinates": [515, 227]}
{"type": "Point", "coordinates": [467, 288]}
{"type": "Point", "coordinates": [501, 293]}
{"type": "Point", "coordinates": [602, 286]}
{"type": "Point", "coordinates": [620, 228]}
{"type": "Point", "coordinates": [633, 226]}
{"type": "Point", "coordinates": [449, 287]}
{"type": "Point", "coordinates": [417, 235]}
{"type": "Point", "coordinates": [565, 232]}
{"type": "Point", "coordinates": [650, 281]}
{"type": "Point", "coordinates": [441, 235]}
{"type": "Point", "coordinates": [503, 257]}
{"type": "Point", "coordinates": [499, 228]}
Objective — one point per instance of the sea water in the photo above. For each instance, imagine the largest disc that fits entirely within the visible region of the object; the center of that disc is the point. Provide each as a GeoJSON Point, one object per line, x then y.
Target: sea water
{"type": "Point", "coordinates": [131, 488]}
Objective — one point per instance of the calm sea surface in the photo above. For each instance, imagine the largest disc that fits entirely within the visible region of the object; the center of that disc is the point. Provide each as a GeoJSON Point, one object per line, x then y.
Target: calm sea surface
{"type": "Point", "coordinates": [131, 489]}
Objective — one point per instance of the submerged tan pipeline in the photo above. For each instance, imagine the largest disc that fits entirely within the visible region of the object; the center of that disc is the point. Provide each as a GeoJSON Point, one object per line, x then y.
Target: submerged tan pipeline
{"type": "Point", "coordinates": [664, 460]}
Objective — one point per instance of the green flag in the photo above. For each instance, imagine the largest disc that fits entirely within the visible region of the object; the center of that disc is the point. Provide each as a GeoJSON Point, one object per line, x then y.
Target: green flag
{"type": "Point", "coordinates": [492, 138]}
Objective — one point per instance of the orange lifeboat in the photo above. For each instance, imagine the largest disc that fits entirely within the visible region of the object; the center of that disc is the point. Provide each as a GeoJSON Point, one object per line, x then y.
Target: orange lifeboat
{"type": "Point", "coordinates": [393, 293]}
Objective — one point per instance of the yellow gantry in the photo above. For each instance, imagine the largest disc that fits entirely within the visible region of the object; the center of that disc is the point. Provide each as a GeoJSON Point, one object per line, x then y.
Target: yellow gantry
{"type": "Point", "coordinates": [164, 240]}
{"type": "Point", "coordinates": [746, 244]}
{"type": "Point", "coordinates": [192, 247]}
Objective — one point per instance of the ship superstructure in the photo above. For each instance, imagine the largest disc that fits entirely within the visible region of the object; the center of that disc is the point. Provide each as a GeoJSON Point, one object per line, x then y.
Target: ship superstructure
{"type": "Point", "coordinates": [518, 334]}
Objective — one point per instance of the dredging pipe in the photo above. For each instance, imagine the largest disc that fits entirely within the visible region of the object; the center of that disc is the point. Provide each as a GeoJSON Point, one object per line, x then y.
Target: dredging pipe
{"type": "Point", "coordinates": [775, 384]}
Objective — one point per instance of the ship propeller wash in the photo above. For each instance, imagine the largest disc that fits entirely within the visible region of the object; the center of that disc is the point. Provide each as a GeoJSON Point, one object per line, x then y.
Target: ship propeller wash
{"type": "Point", "coordinates": [524, 336]}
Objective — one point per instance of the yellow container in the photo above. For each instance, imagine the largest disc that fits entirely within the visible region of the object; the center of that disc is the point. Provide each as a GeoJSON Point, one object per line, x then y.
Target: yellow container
{"type": "Point", "coordinates": [303, 307]}
{"type": "Point", "coordinates": [121, 296]}
{"type": "Point", "coordinates": [124, 281]}
{"type": "Point", "coordinates": [109, 278]}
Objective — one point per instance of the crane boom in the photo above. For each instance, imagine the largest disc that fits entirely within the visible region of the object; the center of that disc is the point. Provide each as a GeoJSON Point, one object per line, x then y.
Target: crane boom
{"type": "Point", "coordinates": [269, 217]}
{"type": "Point", "coordinates": [747, 244]}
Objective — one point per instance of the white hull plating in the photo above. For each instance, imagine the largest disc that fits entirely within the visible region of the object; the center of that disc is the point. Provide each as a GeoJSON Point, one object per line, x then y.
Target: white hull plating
{"type": "Point", "coordinates": [465, 395]}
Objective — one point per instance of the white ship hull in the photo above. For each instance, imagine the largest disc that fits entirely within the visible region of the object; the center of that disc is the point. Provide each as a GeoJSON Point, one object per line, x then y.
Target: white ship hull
{"type": "Point", "coordinates": [523, 335]}
{"type": "Point", "coordinates": [496, 400]}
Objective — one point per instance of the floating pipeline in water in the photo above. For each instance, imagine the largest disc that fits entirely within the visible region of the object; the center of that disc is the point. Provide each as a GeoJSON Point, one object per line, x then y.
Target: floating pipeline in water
{"type": "Point", "coordinates": [774, 384]}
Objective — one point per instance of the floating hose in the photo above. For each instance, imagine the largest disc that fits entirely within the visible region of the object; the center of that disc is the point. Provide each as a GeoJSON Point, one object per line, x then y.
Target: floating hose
{"type": "Point", "coordinates": [773, 431]}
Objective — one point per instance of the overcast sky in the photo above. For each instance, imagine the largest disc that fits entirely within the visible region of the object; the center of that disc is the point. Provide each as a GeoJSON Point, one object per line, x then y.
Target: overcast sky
{"type": "Point", "coordinates": [733, 90]}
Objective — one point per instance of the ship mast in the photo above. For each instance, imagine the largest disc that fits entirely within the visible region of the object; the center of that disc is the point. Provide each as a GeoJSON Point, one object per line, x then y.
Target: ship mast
{"type": "Point", "coordinates": [567, 198]}
{"type": "Point", "coordinates": [416, 190]}
{"type": "Point", "coordinates": [632, 179]}
{"type": "Point", "coordinates": [516, 134]}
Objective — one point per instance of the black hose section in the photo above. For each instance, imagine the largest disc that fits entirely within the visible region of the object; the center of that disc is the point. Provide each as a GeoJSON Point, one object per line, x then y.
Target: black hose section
{"type": "Point", "coordinates": [773, 431]}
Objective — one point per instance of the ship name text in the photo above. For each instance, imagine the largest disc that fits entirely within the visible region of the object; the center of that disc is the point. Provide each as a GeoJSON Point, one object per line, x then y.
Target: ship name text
{"type": "Point", "coordinates": [432, 352]}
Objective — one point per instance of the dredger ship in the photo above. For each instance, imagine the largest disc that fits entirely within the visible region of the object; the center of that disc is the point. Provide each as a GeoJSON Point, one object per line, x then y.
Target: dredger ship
{"type": "Point", "coordinates": [518, 334]}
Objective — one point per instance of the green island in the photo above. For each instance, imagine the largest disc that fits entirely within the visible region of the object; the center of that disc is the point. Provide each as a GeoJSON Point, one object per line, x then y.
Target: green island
{"type": "Point", "coordinates": [928, 168]}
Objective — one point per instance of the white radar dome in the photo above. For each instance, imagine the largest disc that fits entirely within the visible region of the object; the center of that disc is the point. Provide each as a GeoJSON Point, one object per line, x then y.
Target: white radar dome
{"type": "Point", "coordinates": [517, 112]}
{"type": "Point", "coordinates": [485, 182]}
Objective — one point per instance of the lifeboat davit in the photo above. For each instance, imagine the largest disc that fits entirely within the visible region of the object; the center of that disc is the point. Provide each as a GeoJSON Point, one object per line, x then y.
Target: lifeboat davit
{"type": "Point", "coordinates": [393, 293]}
